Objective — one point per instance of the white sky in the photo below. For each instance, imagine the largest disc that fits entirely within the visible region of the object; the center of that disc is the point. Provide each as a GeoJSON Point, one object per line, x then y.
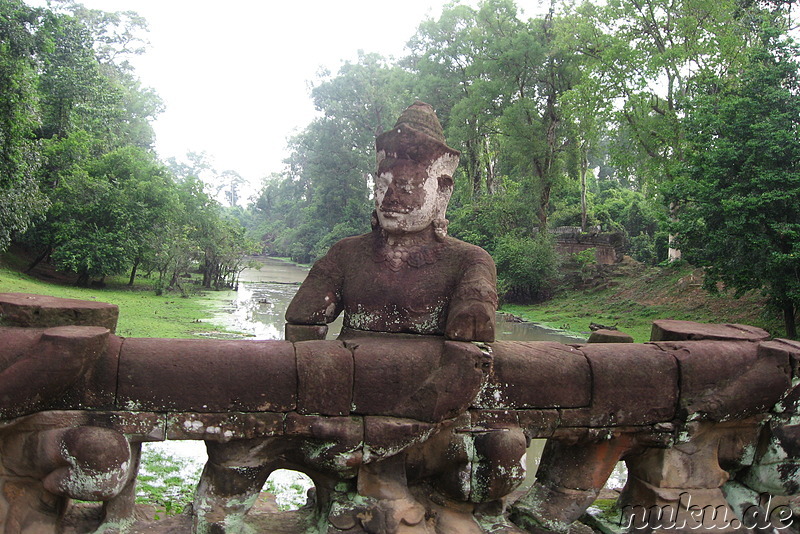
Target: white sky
{"type": "Point", "coordinates": [234, 75]}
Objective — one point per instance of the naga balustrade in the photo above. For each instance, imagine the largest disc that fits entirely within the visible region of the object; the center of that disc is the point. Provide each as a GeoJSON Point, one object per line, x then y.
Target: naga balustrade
{"type": "Point", "coordinates": [399, 433]}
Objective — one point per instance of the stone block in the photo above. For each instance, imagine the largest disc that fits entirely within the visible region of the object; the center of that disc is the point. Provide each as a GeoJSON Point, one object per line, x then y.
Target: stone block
{"type": "Point", "coordinates": [631, 385]}
{"type": "Point", "coordinates": [43, 364]}
{"type": "Point", "coordinates": [346, 430]}
{"type": "Point", "coordinates": [429, 380]}
{"type": "Point", "coordinates": [224, 427]}
{"type": "Point", "coordinates": [385, 436]}
{"type": "Point", "coordinates": [97, 389]}
{"type": "Point", "coordinates": [609, 336]}
{"type": "Point", "coordinates": [791, 350]}
{"type": "Point", "coordinates": [325, 378]}
{"type": "Point", "coordinates": [672, 330]}
{"type": "Point", "coordinates": [207, 375]}
{"type": "Point", "coordinates": [722, 380]}
{"type": "Point", "coordinates": [538, 423]}
{"type": "Point", "coordinates": [137, 426]}
{"type": "Point", "coordinates": [483, 419]}
{"type": "Point", "coordinates": [38, 311]}
{"type": "Point", "coordinates": [536, 374]}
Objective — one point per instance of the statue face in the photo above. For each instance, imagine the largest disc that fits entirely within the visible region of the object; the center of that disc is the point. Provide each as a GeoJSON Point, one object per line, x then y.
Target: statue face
{"type": "Point", "coordinates": [405, 196]}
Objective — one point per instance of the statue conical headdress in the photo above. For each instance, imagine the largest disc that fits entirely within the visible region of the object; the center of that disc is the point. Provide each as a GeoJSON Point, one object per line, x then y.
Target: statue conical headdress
{"type": "Point", "coordinates": [417, 135]}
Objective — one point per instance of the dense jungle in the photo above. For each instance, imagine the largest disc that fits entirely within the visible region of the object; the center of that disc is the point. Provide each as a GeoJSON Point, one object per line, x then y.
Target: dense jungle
{"type": "Point", "coordinates": [674, 125]}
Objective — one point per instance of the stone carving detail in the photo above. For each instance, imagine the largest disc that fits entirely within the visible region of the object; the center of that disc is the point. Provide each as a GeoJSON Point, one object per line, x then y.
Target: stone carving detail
{"type": "Point", "coordinates": [388, 426]}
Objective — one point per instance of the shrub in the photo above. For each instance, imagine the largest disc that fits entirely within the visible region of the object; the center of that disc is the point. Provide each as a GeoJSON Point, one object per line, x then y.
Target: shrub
{"type": "Point", "coordinates": [526, 267]}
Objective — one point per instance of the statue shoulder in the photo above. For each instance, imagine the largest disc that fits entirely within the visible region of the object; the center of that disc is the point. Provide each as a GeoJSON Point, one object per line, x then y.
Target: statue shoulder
{"type": "Point", "coordinates": [346, 247]}
{"type": "Point", "coordinates": [468, 251]}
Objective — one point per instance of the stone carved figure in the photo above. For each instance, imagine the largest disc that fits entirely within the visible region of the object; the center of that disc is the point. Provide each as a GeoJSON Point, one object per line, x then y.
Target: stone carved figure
{"type": "Point", "coordinates": [407, 275]}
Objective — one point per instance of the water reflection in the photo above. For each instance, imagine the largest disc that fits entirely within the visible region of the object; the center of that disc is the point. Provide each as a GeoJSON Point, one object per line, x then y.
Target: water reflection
{"type": "Point", "coordinates": [257, 309]}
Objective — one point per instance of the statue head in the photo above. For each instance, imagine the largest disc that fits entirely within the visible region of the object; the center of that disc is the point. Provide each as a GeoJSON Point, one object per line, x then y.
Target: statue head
{"type": "Point", "coordinates": [414, 178]}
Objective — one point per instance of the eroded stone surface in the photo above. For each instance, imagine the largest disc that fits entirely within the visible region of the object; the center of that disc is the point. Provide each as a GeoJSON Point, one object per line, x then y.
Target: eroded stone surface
{"type": "Point", "coordinates": [429, 415]}
{"type": "Point", "coordinates": [36, 311]}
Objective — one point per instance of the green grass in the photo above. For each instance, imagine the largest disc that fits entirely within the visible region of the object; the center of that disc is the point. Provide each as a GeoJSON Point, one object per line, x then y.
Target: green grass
{"type": "Point", "coordinates": [634, 296]}
{"type": "Point", "coordinates": [141, 312]}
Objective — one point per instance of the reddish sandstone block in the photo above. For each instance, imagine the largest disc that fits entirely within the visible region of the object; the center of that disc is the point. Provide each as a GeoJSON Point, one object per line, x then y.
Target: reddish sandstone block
{"type": "Point", "coordinates": [536, 374]}
{"type": "Point", "coordinates": [325, 378]}
{"type": "Point", "coordinates": [385, 436]}
{"type": "Point", "coordinates": [27, 310]}
{"type": "Point", "coordinates": [207, 375]}
{"type": "Point", "coordinates": [724, 379]}
{"type": "Point", "coordinates": [671, 330]}
{"type": "Point", "coordinates": [631, 385]}
{"type": "Point", "coordinates": [429, 380]}
{"type": "Point", "coordinates": [41, 365]}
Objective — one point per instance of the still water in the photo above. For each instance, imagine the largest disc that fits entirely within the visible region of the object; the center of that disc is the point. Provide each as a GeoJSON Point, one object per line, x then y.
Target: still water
{"type": "Point", "coordinates": [257, 310]}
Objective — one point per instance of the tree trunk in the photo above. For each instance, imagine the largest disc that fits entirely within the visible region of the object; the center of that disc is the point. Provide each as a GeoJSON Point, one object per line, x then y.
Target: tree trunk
{"type": "Point", "coordinates": [474, 166]}
{"type": "Point", "coordinates": [83, 280]}
{"type": "Point", "coordinates": [673, 254]}
{"type": "Point", "coordinates": [46, 252]}
{"type": "Point", "coordinates": [584, 170]}
{"type": "Point", "coordinates": [133, 272]}
{"type": "Point", "coordinates": [789, 320]}
{"type": "Point", "coordinates": [544, 207]}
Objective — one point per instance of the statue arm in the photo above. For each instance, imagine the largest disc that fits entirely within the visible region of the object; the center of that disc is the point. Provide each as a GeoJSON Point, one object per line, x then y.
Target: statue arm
{"type": "Point", "coordinates": [317, 302]}
{"type": "Point", "coordinates": [471, 316]}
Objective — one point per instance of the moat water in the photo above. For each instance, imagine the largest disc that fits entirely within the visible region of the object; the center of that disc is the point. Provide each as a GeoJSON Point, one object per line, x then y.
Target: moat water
{"type": "Point", "coordinates": [256, 310]}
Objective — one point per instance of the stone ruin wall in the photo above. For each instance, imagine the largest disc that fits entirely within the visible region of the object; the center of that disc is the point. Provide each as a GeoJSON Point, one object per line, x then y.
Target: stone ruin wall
{"type": "Point", "coordinates": [608, 247]}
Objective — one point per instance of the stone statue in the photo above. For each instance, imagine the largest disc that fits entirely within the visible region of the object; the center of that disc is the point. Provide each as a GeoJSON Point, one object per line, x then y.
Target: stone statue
{"type": "Point", "coordinates": [407, 275]}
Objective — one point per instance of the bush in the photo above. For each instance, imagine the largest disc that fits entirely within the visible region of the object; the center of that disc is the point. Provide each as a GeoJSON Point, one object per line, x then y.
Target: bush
{"type": "Point", "coordinates": [642, 248]}
{"type": "Point", "coordinates": [526, 267]}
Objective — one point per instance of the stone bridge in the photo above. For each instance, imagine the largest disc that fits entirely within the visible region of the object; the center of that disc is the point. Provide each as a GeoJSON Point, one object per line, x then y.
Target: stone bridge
{"type": "Point", "coordinates": [401, 433]}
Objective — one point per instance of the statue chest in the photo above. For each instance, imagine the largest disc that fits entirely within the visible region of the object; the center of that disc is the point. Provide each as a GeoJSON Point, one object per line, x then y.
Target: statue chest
{"type": "Point", "coordinates": [410, 299]}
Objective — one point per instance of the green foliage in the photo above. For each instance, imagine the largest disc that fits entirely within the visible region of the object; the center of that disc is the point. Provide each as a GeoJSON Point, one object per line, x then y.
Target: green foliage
{"type": "Point", "coordinates": [739, 196]}
{"type": "Point", "coordinates": [527, 267]}
{"type": "Point", "coordinates": [21, 202]}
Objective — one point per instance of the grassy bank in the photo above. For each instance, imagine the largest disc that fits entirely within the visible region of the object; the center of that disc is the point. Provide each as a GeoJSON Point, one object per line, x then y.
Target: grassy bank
{"type": "Point", "coordinates": [631, 296]}
{"type": "Point", "coordinates": [628, 296]}
{"type": "Point", "coordinates": [142, 313]}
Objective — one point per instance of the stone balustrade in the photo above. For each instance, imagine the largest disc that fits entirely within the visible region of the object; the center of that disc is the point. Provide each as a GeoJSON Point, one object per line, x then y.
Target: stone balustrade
{"type": "Point", "coordinates": [399, 433]}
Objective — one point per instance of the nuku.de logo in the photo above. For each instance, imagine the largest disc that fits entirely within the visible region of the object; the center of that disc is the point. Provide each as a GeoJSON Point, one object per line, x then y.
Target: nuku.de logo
{"type": "Point", "coordinates": [688, 516]}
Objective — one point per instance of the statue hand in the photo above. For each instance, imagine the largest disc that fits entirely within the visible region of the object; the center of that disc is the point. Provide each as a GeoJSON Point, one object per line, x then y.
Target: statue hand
{"type": "Point", "coordinates": [470, 321]}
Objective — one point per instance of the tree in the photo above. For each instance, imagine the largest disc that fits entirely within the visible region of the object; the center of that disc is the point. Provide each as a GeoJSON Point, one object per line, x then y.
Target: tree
{"type": "Point", "coordinates": [21, 202]}
{"type": "Point", "coordinates": [109, 213]}
{"type": "Point", "coordinates": [740, 191]}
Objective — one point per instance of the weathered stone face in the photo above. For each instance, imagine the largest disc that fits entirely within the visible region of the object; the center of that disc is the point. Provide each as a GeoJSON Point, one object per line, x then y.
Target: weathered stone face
{"type": "Point", "coordinates": [415, 167]}
{"type": "Point", "coordinates": [405, 197]}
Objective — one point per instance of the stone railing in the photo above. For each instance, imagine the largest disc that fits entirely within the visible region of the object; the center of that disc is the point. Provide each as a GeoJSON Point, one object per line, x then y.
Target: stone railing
{"type": "Point", "coordinates": [400, 434]}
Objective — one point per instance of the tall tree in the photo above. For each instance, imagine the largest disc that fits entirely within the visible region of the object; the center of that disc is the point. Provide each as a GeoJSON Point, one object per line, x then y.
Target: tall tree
{"type": "Point", "coordinates": [21, 201]}
{"type": "Point", "coordinates": [534, 125]}
{"type": "Point", "coordinates": [740, 194]}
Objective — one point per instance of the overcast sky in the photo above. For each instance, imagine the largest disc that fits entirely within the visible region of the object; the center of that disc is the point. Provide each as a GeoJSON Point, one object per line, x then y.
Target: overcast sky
{"type": "Point", "coordinates": [234, 75]}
